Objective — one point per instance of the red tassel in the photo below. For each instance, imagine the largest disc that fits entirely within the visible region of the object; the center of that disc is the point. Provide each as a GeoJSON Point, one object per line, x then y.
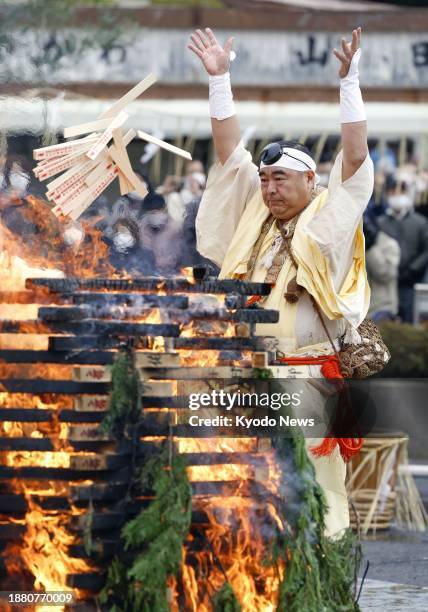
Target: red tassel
{"type": "Point", "coordinates": [253, 300]}
{"type": "Point", "coordinates": [324, 449]}
{"type": "Point", "coordinates": [348, 447]}
{"type": "Point", "coordinates": [330, 369]}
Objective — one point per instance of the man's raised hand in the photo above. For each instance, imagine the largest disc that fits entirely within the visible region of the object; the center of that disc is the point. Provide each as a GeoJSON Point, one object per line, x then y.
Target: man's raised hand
{"type": "Point", "coordinates": [214, 57]}
{"type": "Point", "coordinates": [348, 52]}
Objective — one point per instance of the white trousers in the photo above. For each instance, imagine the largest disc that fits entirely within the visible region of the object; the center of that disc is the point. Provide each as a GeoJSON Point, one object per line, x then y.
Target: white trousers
{"type": "Point", "coordinates": [330, 474]}
{"type": "Point", "coordinates": [330, 471]}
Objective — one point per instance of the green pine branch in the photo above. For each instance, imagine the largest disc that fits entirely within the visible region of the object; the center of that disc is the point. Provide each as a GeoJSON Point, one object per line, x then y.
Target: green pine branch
{"type": "Point", "coordinates": [319, 571]}
{"type": "Point", "coordinates": [125, 397]}
{"type": "Point", "coordinates": [152, 542]}
{"type": "Point", "coordinates": [225, 600]}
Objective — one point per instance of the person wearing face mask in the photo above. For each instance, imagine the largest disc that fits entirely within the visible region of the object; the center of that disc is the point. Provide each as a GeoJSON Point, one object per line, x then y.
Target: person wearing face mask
{"type": "Point", "coordinates": [410, 230]}
{"type": "Point", "coordinates": [126, 252]}
{"type": "Point", "coordinates": [183, 196]}
{"type": "Point", "coordinates": [194, 180]}
{"type": "Point", "coordinates": [15, 180]}
{"type": "Point", "coordinates": [161, 234]}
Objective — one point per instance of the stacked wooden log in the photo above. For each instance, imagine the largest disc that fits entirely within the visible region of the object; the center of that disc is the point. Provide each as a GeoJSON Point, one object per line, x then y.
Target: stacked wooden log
{"type": "Point", "coordinates": [77, 319]}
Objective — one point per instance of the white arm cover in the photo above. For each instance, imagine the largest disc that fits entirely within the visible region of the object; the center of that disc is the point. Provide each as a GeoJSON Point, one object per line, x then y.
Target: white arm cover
{"type": "Point", "coordinates": [221, 97]}
{"type": "Point", "coordinates": [351, 101]}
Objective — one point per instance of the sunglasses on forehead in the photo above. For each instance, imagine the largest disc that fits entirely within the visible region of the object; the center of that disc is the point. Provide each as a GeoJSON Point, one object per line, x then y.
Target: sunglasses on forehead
{"type": "Point", "coordinates": [273, 153]}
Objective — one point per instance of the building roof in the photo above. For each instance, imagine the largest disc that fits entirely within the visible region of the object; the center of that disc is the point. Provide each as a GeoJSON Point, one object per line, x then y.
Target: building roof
{"type": "Point", "coordinates": [319, 5]}
{"type": "Point", "coordinates": [167, 118]}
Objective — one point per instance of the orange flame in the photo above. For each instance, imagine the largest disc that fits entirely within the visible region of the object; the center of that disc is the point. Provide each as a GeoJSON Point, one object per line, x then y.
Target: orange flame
{"type": "Point", "coordinates": [236, 532]}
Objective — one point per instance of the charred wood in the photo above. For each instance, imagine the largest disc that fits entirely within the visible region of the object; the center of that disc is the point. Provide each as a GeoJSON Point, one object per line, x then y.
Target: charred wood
{"type": "Point", "coordinates": [72, 285]}
{"type": "Point", "coordinates": [91, 326]}
{"type": "Point", "coordinates": [81, 357]}
{"type": "Point", "coordinates": [131, 299]}
{"type": "Point", "coordinates": [17, 385]}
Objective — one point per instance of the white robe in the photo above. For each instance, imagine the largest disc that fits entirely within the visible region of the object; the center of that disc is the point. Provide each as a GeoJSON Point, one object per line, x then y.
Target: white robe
{"type": "Point", "coordinates": [329, 247]}
{"type": "Point", "coordinates": [229, 221]}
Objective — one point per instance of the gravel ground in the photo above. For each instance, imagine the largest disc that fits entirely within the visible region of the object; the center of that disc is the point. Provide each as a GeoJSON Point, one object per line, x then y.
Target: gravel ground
{"type": "Point", "coordinates": [397, 579]}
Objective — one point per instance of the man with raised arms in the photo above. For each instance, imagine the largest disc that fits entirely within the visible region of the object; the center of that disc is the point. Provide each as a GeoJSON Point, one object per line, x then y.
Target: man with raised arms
{"type": "Point", "coordinates": [272, 223]}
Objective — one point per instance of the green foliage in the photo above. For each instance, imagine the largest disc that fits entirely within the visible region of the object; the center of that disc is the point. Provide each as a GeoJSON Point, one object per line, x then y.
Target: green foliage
{"type": "Point", "coordinates": [408, 345]}
{"type": "Point", "coordinates": [125, 397]}
{"type": "Point", "coordinates": [262, 373]}
{"type": "Point", "coordinates": [52, 20]}
{"type": "Point", "coordinates": [87, 531]}
{"type": "Point", "coordinates": [116, 579]}
{"type": "Point", "coordinates": [190, 3]}
{"type": "Point", "coordinates": [225, 600]}
{"type": "Point", "coordinates": [319, 571]}
{"type": "Point", "coordinates": [51, 14]}
{"type": "Point", "coordinates": [153, 541]}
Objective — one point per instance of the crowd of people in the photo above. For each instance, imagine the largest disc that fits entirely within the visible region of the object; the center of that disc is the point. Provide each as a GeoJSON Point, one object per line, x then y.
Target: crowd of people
{"type": "Point", "coordinates": [156, 235]}
{"type": "Point", "coordinates": [396, 236]}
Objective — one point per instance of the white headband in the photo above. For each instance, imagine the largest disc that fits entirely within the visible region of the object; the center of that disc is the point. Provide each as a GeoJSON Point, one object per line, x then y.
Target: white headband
{"type": "Point", "coordinates": [293, 159]}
